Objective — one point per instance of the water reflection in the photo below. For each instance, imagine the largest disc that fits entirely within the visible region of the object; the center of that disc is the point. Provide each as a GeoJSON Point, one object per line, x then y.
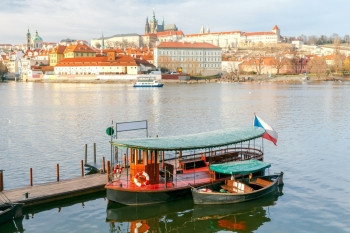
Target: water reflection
{"type": "Point", "coordinates": [60, 216]}
{"type": "Point", "coordinates": [184, 216]}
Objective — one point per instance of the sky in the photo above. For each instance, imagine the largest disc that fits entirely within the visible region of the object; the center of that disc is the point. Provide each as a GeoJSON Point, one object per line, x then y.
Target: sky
{"type": "Point", "coordinates": [87, 19]}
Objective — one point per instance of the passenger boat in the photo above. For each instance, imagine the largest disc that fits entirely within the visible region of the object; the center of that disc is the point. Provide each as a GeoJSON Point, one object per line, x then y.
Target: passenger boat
{"type": "Point", "coordinates": [9, 211]}
{"type": "Point", "coordinates": [162, 169]}
{"type": "Point", "coordinates": [148, 82]}
{"type": "Point", "coordinates": [238, 190]}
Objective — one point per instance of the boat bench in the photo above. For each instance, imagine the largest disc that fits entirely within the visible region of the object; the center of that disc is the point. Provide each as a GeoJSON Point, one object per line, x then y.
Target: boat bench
{"type": "Point", "coordinates": [234, 189]}
{"type": "Point", "coordinates": [262, 182]}
{"type": "Point", "coordinates": [225, 157]}
{"type": "Point", "coordinates": [192, 163]}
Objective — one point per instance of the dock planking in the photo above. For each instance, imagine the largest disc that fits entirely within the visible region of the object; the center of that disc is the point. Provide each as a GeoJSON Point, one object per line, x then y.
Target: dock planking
{"type": "Point", "coordinates": [54, 191]}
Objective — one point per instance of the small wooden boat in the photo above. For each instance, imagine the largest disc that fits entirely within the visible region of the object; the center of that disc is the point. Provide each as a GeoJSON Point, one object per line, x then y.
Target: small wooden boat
{"type": "Point", "coordinates": [238, 190]}
{"type": "Point", "coordinates": [9, 211]}
{"type": "Point", "coordinates": [148, 82]}
{"type": "Point", "coordinates": [162, 169]}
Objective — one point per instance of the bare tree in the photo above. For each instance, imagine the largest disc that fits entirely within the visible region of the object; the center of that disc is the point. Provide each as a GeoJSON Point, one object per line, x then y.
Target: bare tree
{"type": "Point", "coordinates": [338, 58]}
{"type": "Point", "coordinates": [317, 66]}
{"type": "Point", "coordinates": [347, 65]}
{"type": "Point", "coordinates": [97, 45]}
{"type": "Point", "coordinates": [278, 62]}
{"type": "Point", "coordinates": [347, 39]}
{"type": "Point", "coordinates": [258, 62]}
{"type": "Point", "coordinates": [3, 69]}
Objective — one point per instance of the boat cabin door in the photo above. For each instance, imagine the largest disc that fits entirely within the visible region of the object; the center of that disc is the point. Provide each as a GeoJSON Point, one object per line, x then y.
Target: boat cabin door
{"type": "Point", "coordinates": [144, 161]}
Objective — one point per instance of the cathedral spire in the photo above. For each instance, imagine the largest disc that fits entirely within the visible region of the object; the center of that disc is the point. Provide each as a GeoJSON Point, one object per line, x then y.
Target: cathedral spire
{"type": "Point", "coordinates": [29, 39]}
{"type": "Point", "coordinates": [147, 29]}
{"type": "Point", "coordinates": [103, 41]}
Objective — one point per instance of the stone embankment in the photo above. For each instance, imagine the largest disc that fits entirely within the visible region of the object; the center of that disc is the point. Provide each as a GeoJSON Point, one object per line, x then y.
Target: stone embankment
{"type": "Point", "coordinates": [253, 79]}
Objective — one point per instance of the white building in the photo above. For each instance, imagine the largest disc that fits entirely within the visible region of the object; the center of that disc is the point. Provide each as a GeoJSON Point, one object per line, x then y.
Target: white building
{"type": "Point", "coordinates": [192, 58]}
{"type": "Point", "coordinates": [235, 39]}
{"type": "Point", "coordinates": [121, 40]}
{"type": "Point", "coordinates": [109, 65]}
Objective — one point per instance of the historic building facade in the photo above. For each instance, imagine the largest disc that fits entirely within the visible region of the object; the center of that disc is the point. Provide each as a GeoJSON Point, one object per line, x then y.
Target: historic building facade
{"type": "Point", "coordinates": [35, 42]}
{"type": "Point", "coordinates": [193, 58]}
{"type": "Point", "coordinates": [235, 39]}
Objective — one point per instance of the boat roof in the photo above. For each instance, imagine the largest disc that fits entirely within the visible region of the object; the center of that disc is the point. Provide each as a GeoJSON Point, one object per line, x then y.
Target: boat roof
{"type": "Point", "coordinates": [203, 140]}
{"type": "Point", "coordinates": [240, 167]}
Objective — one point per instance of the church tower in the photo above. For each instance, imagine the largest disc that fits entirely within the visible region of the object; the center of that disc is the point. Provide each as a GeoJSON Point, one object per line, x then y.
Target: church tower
{"type": "Point", "coordinates": [147, 29]}
{"type": "Point", "coordinates": [29, 40]}
{"type": "Point", "coordinates": [153, 24]}
{"type": "Point", "coordinates": [277, 31]}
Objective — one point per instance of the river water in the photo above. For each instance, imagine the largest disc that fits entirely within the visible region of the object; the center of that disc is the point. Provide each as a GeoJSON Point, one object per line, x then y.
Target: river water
{"type": "Point", "coordinates": [42, 124]}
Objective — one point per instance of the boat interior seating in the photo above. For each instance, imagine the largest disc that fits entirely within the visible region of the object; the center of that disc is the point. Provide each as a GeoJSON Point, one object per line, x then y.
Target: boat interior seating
{"type": "Point", "coordinates": [233, 156]}
{"type": "Point", "coordinates": [261, 182]}
{"type": "Point", "coordinates": [193, 163]}
{"type": "Point", "coordinates": [234, 186]}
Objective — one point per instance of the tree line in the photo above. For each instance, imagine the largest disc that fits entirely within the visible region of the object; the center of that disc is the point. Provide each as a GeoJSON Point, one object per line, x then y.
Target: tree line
{"type": "Point", "coordinates": [320, 40]}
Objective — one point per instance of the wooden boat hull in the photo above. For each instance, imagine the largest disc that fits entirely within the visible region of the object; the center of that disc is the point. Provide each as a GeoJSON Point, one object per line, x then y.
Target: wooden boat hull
{"type": "Point", "coordinates": [200, 197]}
{"type": "Point", "coordinates": [146, 197]}
{"type": "Point", "coordinates": [9, 211]}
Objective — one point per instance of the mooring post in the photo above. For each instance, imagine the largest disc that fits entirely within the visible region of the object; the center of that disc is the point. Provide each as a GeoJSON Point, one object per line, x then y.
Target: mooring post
{"type": "Point", "coordinates": [94, 152]}
{"type": "Point", "coordinates": [103, 165]}
{"type": "Point", "coordinates": [58, 172]}
{"type": "Point", "coordinates": [108, 169]}
{"type": "Point", "coordinates": [31, 176]}
{"type": "Point", "coordinates": [1, 181]}
{"type": "Point", "coordinates": [85, 153]}
{"type": "Point", "coordinates": [82, 167]}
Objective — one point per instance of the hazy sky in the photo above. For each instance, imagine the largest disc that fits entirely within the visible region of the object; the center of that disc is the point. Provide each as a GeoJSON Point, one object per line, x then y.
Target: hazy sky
{"type": "Point", "coordinates": [87, 19]}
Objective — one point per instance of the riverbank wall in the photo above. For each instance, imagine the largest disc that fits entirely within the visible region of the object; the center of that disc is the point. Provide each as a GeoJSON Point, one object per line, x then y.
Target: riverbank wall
{"type": "Point", "coordinates": [129, 79]}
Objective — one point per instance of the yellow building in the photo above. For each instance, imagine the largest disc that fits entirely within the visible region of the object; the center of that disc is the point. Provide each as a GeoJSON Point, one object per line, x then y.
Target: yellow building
{"type": "Point", "coordinates": [79, 50]}
{"type": "Point", "coordinates": [57, 54]}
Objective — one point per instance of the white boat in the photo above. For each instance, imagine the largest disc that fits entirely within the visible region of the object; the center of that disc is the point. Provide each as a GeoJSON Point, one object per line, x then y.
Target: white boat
{"type": "Point", "coordinates": [148, 82]}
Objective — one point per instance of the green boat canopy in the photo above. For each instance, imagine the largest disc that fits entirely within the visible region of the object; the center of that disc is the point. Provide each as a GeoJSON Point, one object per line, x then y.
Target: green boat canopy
{"type": "Point", "coordinates": [203, 140]}
{"type": "Point", "coordinates": [241, 167]}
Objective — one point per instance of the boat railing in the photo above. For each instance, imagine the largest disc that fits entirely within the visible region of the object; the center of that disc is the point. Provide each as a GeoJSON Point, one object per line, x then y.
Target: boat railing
{"type": "Point", "coordinates": [223, 155]}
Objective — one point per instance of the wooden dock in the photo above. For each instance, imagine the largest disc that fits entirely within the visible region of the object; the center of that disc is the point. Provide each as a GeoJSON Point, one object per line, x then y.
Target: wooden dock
{"type": "Point", "coordinates": [54, 191]}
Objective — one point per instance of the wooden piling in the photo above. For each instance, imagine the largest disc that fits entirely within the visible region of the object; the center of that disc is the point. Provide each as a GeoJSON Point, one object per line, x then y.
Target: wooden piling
{"type": "Point", "coordinates": [108, 169]}
{"type": "Point", "coordinates": [103, 165]}
{"type": "Point", "coordinates": [94, 152]}
{"type": "Point", "coordinates": [1, 181]}
{"type": "Point", "coordinates": [82, 167]}
{"type": "Point", "coordinates": [31, 176]}
{"type": "Point", "coordinates": [85, 153]}
{"type": "Point", "coordinates": [58, 172]}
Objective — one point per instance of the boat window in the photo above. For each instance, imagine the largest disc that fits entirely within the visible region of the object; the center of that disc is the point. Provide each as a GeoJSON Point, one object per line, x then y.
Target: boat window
{"type": "Point", "coordinates": [132, 156]}
{"type": "Point", "coordinates": [149, 155]}
{"type": "Point", "coordinates": [139, 157]}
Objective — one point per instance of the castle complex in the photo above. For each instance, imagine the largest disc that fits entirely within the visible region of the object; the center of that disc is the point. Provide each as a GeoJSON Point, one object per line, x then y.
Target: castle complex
{"type": "Point", "coordinates": [156, 32]}
{"type": "Point", "coordinates": [153, 26]}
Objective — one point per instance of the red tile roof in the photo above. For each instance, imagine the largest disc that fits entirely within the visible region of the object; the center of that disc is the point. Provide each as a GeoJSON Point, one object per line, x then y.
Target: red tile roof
{"type": "Point", "coordinates": [81, 48]}
{"type": "Point", "coordinates": [97, 61]}
{"type": "Point", "coordinates": [197, 45]}
{"type": "Point", "coordinates": [258, 33]}
{"type": "Point", "coordinates": [213, 33]}
{"type": "Point", "coordinates": [170, 33]}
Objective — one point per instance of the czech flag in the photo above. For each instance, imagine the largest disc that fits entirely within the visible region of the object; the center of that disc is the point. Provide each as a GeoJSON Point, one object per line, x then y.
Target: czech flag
{"type": "Point", "coordinates": [270, 133]}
